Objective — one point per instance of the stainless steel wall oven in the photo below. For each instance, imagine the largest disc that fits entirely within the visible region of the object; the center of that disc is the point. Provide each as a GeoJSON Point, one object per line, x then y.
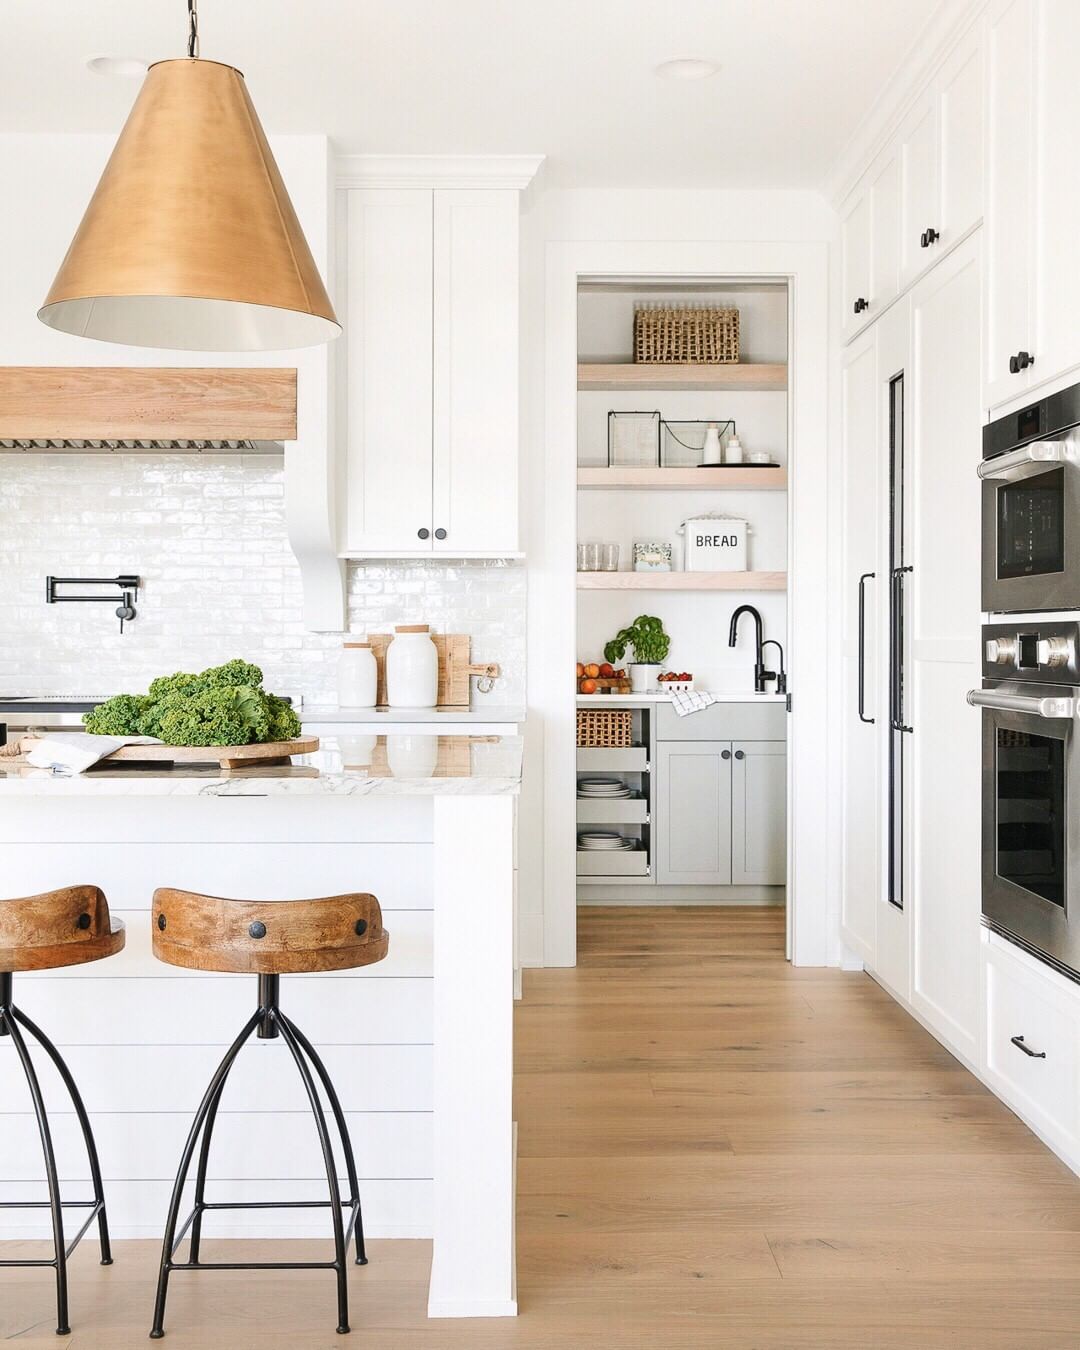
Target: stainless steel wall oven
{"type": "Point", "coordinates": [1030, 698]}
{"type": "Point", "coordinates": [1030, 474]}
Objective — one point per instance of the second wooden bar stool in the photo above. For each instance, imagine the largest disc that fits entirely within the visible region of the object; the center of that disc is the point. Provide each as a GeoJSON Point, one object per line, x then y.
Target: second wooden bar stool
{"type": "Point", "coordinates": [268, 938]}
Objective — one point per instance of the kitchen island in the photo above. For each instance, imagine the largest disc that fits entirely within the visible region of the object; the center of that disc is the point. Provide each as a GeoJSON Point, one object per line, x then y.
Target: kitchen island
{"type": "Point", "coordinates": [420, 1045]}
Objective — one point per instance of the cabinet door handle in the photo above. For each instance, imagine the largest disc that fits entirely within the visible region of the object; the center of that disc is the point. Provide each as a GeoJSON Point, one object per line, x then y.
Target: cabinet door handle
{"type": "Point", "coordinates": [739, 754]}
{"type": "Point", "coordinates": [440, 534]}
{"type": "Point", "coordinates": [928, 237]}
{"type": "Point", "coordinates": [423, 534]}
{"type": "Point", "coordinates": [866, 576]}
{"type": "Point", "coordinates": [725, 754]}
{"type": "Point", "coordinates": [860, 305]}
{"type": "Point", "coordinates": [1021, 1044]}
{"type": "Point", "coordinates": [1020, 362]}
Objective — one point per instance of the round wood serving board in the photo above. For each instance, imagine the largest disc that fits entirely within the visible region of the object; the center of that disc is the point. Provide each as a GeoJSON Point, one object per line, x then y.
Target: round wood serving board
{"type": "Point", "coordinates": [228, 756]}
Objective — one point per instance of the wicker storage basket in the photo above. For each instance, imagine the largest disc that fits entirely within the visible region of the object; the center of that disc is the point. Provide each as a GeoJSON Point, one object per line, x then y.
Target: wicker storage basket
{"type": "Point", "coordinates": [600, 728]}
{"type": "Point", "coordinates": [667, 335]}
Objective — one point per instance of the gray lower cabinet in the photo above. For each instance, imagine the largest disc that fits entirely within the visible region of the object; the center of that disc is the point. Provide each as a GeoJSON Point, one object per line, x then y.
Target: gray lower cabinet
{"type": "Point", "coordinates": [758, 813]}
{"type": "Point", "coordinates": [720, 816]}
{"type": "Point", "coordinates": [692, 814]}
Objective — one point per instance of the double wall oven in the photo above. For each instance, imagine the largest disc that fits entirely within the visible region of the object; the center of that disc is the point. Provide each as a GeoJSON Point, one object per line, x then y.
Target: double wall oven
{"type": "Point", "coordinates": [1030, 695]}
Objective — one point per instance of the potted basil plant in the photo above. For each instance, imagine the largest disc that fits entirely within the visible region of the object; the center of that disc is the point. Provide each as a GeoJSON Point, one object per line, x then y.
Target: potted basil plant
{"type": "Point", "coordinates": [650, 643]}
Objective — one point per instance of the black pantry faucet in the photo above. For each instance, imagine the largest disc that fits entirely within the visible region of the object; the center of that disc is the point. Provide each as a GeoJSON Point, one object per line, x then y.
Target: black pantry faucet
{"type": "Point", "coordinates": [761, 675]}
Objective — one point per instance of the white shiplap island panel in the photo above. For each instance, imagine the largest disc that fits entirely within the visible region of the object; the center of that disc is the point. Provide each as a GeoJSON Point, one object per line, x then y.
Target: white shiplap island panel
{"type": "Point", "coordinates": [419, 1045]}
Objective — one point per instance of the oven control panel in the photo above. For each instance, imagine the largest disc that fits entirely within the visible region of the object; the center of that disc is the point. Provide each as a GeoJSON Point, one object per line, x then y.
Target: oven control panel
{"type": "Point", "coordinates": [1046, 652]}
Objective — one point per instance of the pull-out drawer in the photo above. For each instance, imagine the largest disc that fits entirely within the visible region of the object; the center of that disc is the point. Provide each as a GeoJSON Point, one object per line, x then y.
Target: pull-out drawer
{"type": "Point", "coordinates": [612, 811]}
{"type": "Point", "coordinates": [613, 759]}
{"type": "Point", "coordinates": [1033, 1042]}
{"type": "Point", "coordinates": [610, 863]}
{"type": "Point", "coordinates": [747, 721]}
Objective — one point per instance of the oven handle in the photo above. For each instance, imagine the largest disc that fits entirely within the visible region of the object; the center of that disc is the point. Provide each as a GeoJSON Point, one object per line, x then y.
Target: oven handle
{"type": "Point", "coordinates": [1022, 463]}
{"type": "Point", "coordinates": [1036, 707]}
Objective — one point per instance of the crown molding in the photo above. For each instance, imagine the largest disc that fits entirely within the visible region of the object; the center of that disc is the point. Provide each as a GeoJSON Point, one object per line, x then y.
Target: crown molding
{"type": "Point", "coordinates": [907, 83]}
{"type": "Point", "coordinates": [436, 171]}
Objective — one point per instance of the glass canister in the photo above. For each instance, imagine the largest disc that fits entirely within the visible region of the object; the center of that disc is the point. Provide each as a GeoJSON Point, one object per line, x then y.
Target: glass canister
{"type": "Point", "coordinates": [357, 676]}
{"type": "Point", "coordinates": [412, 668]}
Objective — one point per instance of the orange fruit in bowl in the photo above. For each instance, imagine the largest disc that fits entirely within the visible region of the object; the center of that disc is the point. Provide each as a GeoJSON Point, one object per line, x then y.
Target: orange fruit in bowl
{"type": "Point", "coordinates": [588, 686]}
{"type": "Point", "coordinates": [580, 670]}
{"type": "Point", "coordinates": [592, 670]}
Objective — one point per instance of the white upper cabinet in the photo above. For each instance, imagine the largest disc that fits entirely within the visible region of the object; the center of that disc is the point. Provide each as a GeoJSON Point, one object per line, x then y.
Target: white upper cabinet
{"type": "Point", "coordinates": [1008, 198]}
{"type": "Point", "coordinates": [388, 369]}
{"type": "Point", "coordinates": [1056, 148]}
{"type": "Point", "coordinates": [855, 247]}
{"type": "Point", "coordinates": [885, 230]}
{"type": "Point", "coordinates": [431, 371]}
{"type": "Point", "coordinates": [1033, 282]}
{"type": "Point", "coordinates": [476, 372]}
{"type": "Point", "coordinates": [920, 195]}
{"type": "Point", "coordinates": [960, 139]}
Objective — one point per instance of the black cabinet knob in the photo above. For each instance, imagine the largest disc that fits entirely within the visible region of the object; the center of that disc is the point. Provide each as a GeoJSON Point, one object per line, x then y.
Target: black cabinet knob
{"type": "Point", "coordinates": [860, 305]}
{"type": "Point", "coordinates": [440, 534]}
{"type": "Point", "coordinates": [739, 754]}
{"type": "Point", "coordinates": [423, 534]}
{"type": "Point", "coordinates": [928, 237]}
{"type": "Point", "coordinates": [725, 754]}
{"type": "Point", "coordinates": [1020, 362]}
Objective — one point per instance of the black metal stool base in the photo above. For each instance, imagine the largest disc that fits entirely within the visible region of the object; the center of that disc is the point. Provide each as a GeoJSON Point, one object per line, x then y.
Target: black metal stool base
{"type": "Point", "coordinates": [269, 1022]}
{"type": "Point", "coordinates": [11, 1019]}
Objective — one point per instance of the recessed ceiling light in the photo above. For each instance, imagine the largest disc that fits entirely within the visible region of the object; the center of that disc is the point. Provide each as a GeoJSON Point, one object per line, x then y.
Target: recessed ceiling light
{"type": "Point", "coordinates": [686, 68]}
{"type": "Point", "coordinates": [127, 67]}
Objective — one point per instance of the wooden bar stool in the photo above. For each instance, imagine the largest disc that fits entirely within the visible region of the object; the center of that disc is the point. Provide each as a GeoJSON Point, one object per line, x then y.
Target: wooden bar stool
{"type": "Point", "coordinates": [268, 939]}
{"type": "Point", "coordinates": [45, 932]}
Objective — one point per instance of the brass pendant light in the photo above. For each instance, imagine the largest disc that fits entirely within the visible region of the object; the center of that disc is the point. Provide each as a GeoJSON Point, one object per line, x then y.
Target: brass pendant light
{"type": "Point", "coordinates": [190, 240]}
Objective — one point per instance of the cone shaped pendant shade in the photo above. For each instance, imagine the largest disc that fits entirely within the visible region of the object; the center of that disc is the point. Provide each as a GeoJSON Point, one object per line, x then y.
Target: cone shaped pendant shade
{"type": "Point", "coordinates": [190, 240]}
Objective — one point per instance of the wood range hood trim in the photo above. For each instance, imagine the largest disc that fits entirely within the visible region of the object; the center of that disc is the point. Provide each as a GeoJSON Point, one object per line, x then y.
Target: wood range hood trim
{"type": "Point", "coordinates": [175, 409]}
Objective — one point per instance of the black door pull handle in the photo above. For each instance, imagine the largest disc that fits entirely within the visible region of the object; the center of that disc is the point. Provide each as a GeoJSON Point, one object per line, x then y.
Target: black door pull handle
{"type": "Point", "coordinates": [1020, 362]}
{"type": "Point", "coordinates": [423, 534]}
{"type": "Point", "coordinates": [739, 754]}
{"type": "Point", "coordinates": [866, 576]}
{"type": "Point", "coordinates": [860, 305]}
{"type": "Point", "coordinates": [1021, 1044]}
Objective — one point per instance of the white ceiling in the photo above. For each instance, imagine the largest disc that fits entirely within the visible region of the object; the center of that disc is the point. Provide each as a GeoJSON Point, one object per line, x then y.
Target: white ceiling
{"type": "Point", "coordinates": [571, 79]}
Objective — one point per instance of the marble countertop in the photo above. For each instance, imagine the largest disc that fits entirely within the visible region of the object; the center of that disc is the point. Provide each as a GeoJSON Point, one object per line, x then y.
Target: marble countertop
{"type": "Point", "coordinates": [636, 700]}
{"type": "Point", "coordinates": [325, 713]}
{"type": "Point", "coordinates": [408, 764]}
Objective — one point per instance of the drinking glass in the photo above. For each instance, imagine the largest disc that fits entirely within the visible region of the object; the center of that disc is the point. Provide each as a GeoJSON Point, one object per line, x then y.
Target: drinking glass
{"type": "Point", "coordinates": [609, 557]}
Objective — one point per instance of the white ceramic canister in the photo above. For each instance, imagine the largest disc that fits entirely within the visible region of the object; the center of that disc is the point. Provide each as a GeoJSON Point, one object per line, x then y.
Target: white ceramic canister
{"type": "Point", "coordinates": [412, 668]}
{"type": "Point", "coordinates": [357, 676]}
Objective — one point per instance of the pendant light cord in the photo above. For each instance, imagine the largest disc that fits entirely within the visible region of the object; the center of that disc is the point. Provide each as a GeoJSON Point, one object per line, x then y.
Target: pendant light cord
{"type": "Point", "coordinates": [193, 28]}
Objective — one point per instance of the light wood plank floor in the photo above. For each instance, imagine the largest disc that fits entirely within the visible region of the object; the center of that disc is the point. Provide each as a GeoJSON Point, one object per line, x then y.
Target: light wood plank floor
{"type": "Point", "coordinates": [716, 1151]}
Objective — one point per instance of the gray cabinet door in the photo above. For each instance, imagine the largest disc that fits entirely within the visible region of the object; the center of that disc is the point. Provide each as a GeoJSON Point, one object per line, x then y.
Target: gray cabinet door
{"type": "Point", "coordinates": [692, 813]}
{"type": "Point", "coordinates": [759, 813]}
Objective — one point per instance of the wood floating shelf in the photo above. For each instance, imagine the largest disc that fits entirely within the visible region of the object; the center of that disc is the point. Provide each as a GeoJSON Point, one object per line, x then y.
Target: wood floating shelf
{"type": "Point", "coordinates": [682, 581]}
{"type": "Point", "coordinates": [745, 375]}
{"type": "Point", "coordinates": [747, 477]}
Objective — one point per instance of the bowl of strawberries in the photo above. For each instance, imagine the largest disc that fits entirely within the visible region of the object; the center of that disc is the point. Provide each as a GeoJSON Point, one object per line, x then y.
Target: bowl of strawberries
{"type": "Point", "coordinates": [674, 682]}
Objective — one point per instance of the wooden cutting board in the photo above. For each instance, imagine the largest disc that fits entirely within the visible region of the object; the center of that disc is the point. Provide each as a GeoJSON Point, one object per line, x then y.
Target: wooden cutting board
{"type": "Point", "coordinates": [455, 667]}
{"type": "Point", "coordinates": [227, 756]}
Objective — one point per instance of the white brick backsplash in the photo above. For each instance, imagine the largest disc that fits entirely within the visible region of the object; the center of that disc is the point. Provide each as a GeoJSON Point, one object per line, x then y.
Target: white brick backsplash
{"type": "Point", "coordinates": [208, 539]}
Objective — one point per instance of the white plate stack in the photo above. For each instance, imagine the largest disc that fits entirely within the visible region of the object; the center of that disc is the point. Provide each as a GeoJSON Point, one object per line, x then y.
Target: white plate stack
{"type": "Point", "coordinates": [603, 787]}
{"type": "Point", "coordinates": [604, 840]}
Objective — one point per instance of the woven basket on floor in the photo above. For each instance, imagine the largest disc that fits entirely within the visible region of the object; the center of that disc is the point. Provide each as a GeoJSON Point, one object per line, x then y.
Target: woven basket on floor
{"type": "Point", "coordinates": [598, 728]}
{"type": "Point", "coordinates": [680, 335]}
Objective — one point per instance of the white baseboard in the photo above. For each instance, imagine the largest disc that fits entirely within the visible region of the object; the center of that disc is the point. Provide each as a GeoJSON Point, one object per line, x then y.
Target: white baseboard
{"type": "Point", "coordinates": [448, 1307]}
